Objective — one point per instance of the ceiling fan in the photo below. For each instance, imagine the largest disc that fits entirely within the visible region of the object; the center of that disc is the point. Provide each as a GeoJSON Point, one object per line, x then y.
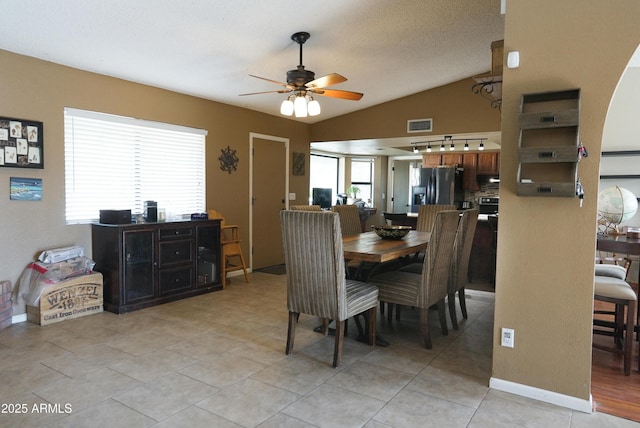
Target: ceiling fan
{"type": "Point", "coordinates": [302, 82]}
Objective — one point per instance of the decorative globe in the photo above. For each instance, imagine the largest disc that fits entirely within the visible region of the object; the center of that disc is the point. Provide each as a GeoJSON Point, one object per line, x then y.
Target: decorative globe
{"type": "Point", "coordinates": [615, 205]}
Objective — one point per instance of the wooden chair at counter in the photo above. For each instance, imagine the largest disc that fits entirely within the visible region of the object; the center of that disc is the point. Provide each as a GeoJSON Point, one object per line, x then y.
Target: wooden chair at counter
{"type": "Point", "coordinates": [230, 247]}
{"type": "Point", "coordinates": [460, 265]}
{"type": "Point", "coordinates": [431, 286]}
{"type": "Point", "coordinates": [316, 283]}
{"type": "Point", "coordinates": [396, 219]}
{"type": "Point", "coordinates": [611, 287]}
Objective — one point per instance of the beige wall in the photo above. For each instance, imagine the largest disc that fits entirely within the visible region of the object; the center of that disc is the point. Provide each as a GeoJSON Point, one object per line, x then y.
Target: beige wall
{"type": "Point", "coordinates": [37, 90]}
{"type": "Point", "coordinates": [453, 108]}
{"type": "Point", "coordinates": [544, 285]}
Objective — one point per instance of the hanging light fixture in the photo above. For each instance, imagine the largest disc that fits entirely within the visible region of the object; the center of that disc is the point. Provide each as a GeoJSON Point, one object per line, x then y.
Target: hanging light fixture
{"type": "Point", "coordinates": [466, 146]}
{"type": "Point", "coordinates": [415, 149]}
{"type": "Point", "coordinates": [481, 147]}
{"type": "Point", "coordinates": [286, 108]}
{"type": "Point", "coordinates": [428, 147]}
{"type": "Point", "coordinates": [302, 105]}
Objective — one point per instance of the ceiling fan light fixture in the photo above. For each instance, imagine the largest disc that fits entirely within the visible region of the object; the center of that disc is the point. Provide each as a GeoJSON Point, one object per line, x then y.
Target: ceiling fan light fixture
{"type": "Point", "coordinates": [300, 106]}
{"type": "Point", "coordinates": [286, 108]}
{"type": "Point", "coordinates": [313, 107]}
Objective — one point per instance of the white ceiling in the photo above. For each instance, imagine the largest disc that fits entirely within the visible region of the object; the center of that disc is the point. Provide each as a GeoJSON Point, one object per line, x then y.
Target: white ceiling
{"type": "Point", "coordinates": [207, 48]}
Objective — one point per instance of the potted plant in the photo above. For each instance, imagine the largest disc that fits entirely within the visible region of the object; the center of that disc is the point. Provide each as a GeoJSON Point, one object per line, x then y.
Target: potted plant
{"type": "Point", "coordinates": [352, 192]}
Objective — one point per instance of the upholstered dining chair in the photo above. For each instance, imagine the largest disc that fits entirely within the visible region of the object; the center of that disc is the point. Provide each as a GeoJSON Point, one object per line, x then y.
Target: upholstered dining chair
{"type": "Point", "coordinates": [427, 215]}
{"type": "Point", "coordinates": [349, 219]}
{"type": "Point", "coordinates": [460, 264]}
{"type": "Point", "coordinates": [316, 283]}
{"type": "Point", "coordinates": [611, 287]}
{"type": "Point", "coordinates": [231, 258]}
{"type": "Point", "coordinates": [431, 286]}
{"type": "Point", "coordinates": [305, 207]}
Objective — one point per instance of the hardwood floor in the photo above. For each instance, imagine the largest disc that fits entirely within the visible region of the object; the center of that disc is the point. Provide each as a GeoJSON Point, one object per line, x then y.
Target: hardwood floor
{"type": "Point", "coordinates": [613, 392]}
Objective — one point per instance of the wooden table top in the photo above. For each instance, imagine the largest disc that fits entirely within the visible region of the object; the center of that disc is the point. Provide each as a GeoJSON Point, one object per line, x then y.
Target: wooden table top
{"type": "Point", "coordinates": [621, 244]}
{"type": "Point", "coordinates": [369, 247]}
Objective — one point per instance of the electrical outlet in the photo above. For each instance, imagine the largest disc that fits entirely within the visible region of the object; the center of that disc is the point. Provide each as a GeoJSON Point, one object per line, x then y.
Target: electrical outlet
{"type": "Point", "coordinates": [508, 337]}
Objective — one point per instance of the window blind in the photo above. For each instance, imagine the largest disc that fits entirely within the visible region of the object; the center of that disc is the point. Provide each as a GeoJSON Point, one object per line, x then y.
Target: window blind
{"type": "Point", "coordinates": [116, 162]}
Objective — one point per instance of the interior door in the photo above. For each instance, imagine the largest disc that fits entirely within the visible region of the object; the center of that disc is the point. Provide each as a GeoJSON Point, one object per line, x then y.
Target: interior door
{"type": "Point", "coordinates": [269, 193]}
{"type": "Point", "coordinates": [400, 195]}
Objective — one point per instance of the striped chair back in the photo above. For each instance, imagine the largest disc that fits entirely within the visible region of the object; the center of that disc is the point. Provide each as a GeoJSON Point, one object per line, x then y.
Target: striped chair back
{"type": "Point", "coordinates": [315, 263]}
{"type": "Point", "coordinates": [462, 250]}
{"type": "Point", "coordinates": [427, 216]}
{"type": "Point", "coordinates": [437, 260]}
{"type": "Point", "coordinates": [305, 207]}
{"type": "Point", "coordinates": [349, 219]}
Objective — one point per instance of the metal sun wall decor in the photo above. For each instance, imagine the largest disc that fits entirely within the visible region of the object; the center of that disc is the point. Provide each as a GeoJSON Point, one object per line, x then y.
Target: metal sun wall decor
{"type": "Point", "coordinates": [21, 144]}
{"type": "Point", "coordinates": [228, 160]}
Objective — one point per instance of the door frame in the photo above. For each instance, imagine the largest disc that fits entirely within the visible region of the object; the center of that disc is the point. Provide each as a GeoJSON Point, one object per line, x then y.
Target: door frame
{"type": "Point", "coordinates": [285, 141]}
{"type": "Point", "coordinates": [391, 176]}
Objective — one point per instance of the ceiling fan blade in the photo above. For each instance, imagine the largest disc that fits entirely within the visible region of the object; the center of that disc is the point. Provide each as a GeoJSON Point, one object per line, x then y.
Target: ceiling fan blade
{"type": "Point", "coordinates": [286, 85]}
{"type": "Point", "coordinates": [281, 91]}
{"type": "Point", "coordinates": [335, 93]}
{"type": "Point", "coordinates": [328, 80]}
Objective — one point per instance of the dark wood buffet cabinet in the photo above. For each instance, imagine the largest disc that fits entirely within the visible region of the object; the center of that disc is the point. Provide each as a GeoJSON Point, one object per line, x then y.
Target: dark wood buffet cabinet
{"type": "Point", "coordinates": [152, 263]}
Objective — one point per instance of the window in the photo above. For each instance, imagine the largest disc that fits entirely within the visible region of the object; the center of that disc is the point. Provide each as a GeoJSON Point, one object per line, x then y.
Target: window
{"type": "Point", "coordinates": [323, 174]}
{"type": "Point", "coordinates": [362, 178]}
{"type": "Point", "coordinates": [115, 162]}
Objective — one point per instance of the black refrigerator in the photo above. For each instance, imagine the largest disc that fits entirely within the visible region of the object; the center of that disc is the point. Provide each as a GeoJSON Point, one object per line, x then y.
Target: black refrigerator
{"type": "Point", "coordinates": [438, 186]}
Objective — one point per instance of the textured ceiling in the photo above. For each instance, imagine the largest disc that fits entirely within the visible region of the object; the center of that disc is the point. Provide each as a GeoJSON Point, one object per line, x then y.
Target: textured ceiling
{"type": "Point", "coordinates": [207, 48]}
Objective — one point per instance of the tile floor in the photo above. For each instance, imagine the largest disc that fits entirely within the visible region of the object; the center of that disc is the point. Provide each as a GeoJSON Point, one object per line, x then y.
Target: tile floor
{"type": "Point", "coordinates": [218, 360]}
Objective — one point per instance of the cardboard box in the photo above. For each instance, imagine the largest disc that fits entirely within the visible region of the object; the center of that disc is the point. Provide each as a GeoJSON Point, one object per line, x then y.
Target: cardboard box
{"type": "Point", "coordinates": [6, 308]}
{"type": "Point", "coordinates": [69, 299]}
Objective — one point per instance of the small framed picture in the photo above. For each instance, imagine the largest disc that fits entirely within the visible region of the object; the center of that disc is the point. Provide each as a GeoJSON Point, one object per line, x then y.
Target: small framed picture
{"type": "Point", "coordinates": [25, 189]}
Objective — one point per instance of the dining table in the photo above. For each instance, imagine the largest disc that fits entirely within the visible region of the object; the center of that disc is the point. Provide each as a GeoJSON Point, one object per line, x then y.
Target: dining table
{"type": "Point", "coordinates": [619, 244]}
{"type": "Point", "coordinates": [369, 247]}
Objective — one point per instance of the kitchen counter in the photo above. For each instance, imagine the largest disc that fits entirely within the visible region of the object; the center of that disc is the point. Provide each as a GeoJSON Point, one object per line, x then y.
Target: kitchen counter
{"type": "Point", "coordinates": [482, 261]}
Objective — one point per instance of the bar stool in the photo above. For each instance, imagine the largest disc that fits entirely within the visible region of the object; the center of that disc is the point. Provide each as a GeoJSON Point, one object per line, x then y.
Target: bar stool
{"type": "Point", "coordinates": [613, 289]}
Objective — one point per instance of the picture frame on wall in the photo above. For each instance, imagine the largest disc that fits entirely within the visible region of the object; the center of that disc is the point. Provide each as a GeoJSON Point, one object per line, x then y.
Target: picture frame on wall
{"type": "Point", "coordinates": [25, 189]}
{"type": "Point", "coordinates": [21, 143]}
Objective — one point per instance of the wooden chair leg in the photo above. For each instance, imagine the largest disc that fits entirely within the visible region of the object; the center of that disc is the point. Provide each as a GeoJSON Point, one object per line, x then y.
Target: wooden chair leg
{"type": "Point", "coordinates": [337, 350]}
{"type": "Point", "coordinates": [442, 314]}
{"type": "Point", "coordinates": [463, 303]}
{"type": "Point", "coordinates": [451, 300]}
{"type": "Point", "coordinates": [291, 332]}
{"type": "Point", "coordinates": [372, 326]}
{"type": "Point", "coordinates": [628, 339]}
{"type": "Point", "coordinates": [424, 327]}
{"type": "Point", "coordinates": [325, 326]}
{"type": "Point", "coordinates": [223, 272]}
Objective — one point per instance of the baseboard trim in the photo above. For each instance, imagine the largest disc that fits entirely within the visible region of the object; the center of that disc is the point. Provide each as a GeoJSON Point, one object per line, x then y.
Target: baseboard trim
{"type": "Point", "coordinates": [15, 319]}
{"type": "Point", "coordinates": [585, 406]}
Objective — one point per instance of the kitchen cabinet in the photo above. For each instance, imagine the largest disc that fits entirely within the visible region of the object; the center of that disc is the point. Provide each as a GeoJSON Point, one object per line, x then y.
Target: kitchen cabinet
{"type": "Point", "coordinates": [549, 143]}
{"type": "Point", "coordinates": [152, 263]}
{"type": "Point", "coordinates": [488, 163]}
{"type": "Point", "coordinates": [429, 161]}
{"type": "Point", "coordinates": [452, 159]}
{"type": "Point", "coordinates": [470, 164]}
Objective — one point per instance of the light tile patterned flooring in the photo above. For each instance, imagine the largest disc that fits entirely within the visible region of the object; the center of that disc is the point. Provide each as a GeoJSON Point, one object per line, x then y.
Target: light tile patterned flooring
{"type": "Point", "coordinates": [218, 360]}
